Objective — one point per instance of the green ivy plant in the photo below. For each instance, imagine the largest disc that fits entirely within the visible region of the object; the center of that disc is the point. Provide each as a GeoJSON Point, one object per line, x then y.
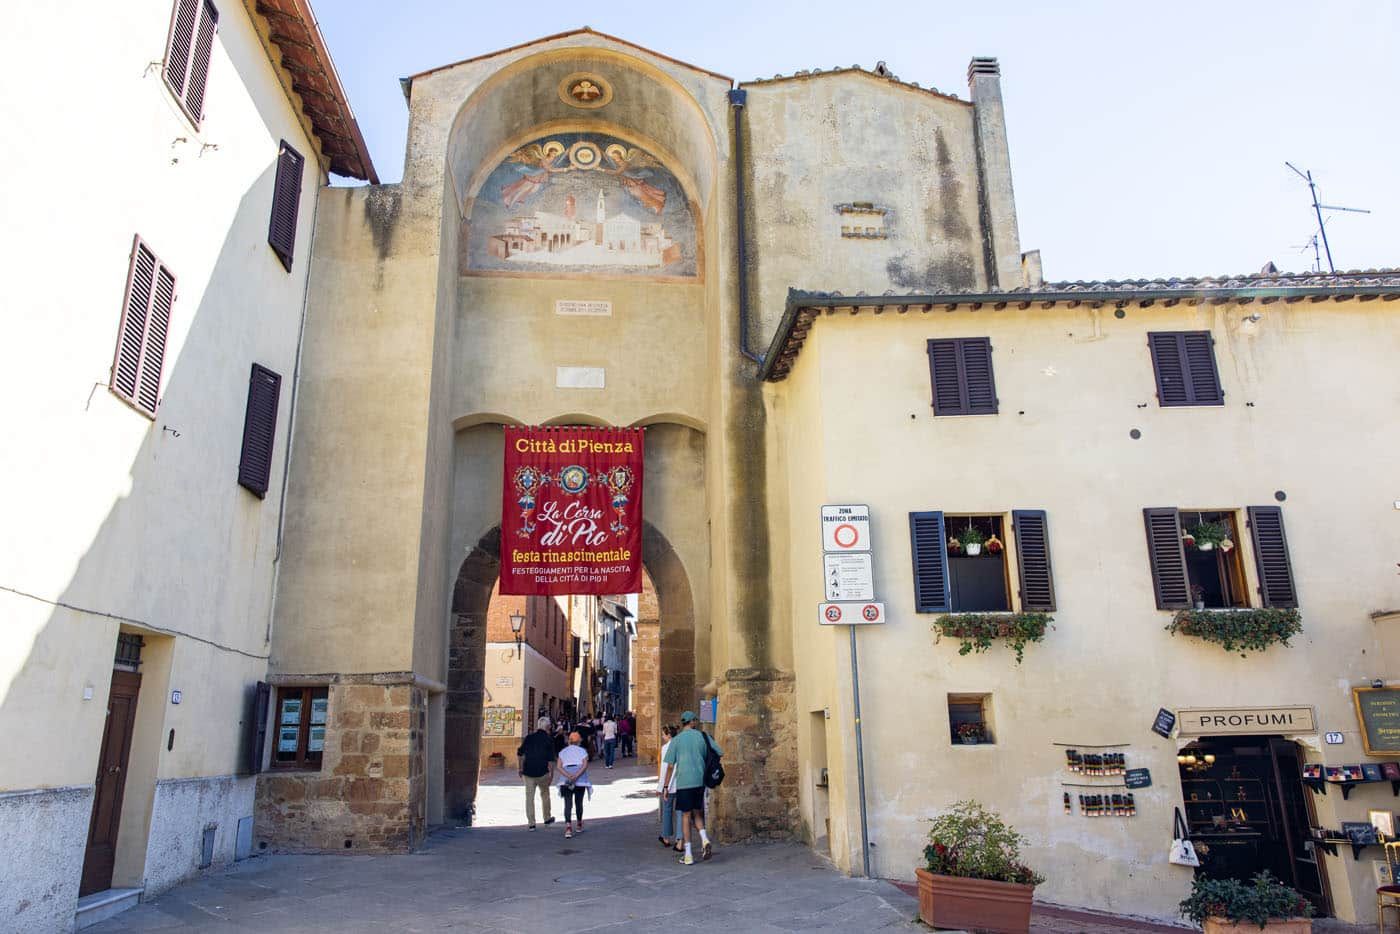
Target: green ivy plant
{"type": "Point", "coordinates": [971, 842]}
{"type": "Point", "coordinates": [1265, 899]}
{"type": "Point", "coordinates": [975, 631]}
{"type": "Point", "coordinates": [1239, 630]}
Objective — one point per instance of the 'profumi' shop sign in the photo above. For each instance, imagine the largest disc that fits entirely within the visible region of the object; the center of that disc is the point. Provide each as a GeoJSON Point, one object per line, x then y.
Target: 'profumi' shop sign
{"type": "Point", "coordinates": [1226, 721]}
{"type": "Point", "coordinates": [571, 512]}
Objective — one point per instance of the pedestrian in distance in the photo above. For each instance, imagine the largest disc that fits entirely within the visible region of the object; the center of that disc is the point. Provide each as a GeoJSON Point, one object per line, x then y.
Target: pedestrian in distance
{"type": "Point", "coordinates": [573, 782]}
{"type": "Point", "coordinates": [584, 728]}
{"type": "Point", "coordinates": [609, 741]}
{"type": "Point", "coordinates": [624, 734]}
{"type": "Point", "coordinates": [685, 761]}
{"type": "Point", "coordinates": [535, 766]}
{"type": "Point", "coordinates": [667, 795]}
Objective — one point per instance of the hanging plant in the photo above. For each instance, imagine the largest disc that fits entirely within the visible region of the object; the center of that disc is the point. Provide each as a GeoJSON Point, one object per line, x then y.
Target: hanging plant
{"type": "Point", "coordinates": [954, 546]}
{"type": "Point", "coordinates": [1252, 630]}
{"type": "Point", "coordinates": [993, 545]}
{"type": "Point", "coordinates": [1207, 535]}
{"type": "Point", "coordinates": [976, 631]}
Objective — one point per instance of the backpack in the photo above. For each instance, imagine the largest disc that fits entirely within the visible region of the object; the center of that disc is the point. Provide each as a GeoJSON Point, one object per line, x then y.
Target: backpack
{"type": "Point", "coordinates": [714, 772]}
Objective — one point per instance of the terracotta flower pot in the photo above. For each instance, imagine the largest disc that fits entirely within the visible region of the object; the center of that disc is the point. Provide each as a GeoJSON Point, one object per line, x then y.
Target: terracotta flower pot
{"type": "Point", "coordinates": [1291, 926]}
{"type": "Point", "coordinates": [954, 902]}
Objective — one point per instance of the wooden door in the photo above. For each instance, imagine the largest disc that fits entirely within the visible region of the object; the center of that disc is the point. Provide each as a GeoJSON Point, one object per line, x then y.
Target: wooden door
{"type": "Point", "coordinates": [111, 783]}
{"type": "Point", "coordinates": [1297, 817]}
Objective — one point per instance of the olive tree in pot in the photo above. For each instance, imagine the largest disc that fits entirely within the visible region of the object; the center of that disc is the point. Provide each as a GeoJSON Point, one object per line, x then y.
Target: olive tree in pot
{"type": "Point", "coordinates": [974, 876]}
{"type": "Point", "coordinates": [1229, 905]}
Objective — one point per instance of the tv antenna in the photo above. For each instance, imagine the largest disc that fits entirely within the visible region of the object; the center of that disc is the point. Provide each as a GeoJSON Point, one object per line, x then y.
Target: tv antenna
{"type": "Point", "coordinates": [1319, 208]}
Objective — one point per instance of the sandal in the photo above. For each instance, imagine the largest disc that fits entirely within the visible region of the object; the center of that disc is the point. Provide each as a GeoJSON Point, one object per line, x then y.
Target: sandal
{"type": "Point", "coordinates": [664, 841]}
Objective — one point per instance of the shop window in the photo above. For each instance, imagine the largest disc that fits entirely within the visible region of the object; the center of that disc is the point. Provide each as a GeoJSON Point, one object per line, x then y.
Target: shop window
{"type": "Point", "coordinates": [970, 719]}
{"type": "Point", "coordinates": [301, 727]}
{"type": "Point", "coordinates": [1196, 560]}
{"type": "Point", "coordinates": [950, 578]}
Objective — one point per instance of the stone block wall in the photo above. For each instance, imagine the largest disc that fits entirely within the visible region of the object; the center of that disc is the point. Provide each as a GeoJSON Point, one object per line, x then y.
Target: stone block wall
{"type": "Point", "coordinates": [370, 794]}
{"type": "Point", "coordinates": [646, 698]}
{"type": "Point", "coordinates": [757, 729]}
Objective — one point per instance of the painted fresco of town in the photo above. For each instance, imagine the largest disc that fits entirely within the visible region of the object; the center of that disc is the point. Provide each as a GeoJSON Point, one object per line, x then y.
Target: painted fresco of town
{"type": "Point", "coordinates": [582, 203]}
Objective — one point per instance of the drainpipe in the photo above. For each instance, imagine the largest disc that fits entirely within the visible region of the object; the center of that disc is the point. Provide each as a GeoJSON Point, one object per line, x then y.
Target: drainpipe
{"type": "Point", "coordinates": [737, 98]}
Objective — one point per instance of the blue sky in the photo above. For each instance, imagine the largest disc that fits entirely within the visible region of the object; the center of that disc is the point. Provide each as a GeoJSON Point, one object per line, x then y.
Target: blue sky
{"type": "Point", "coordinates": [1146, 140]}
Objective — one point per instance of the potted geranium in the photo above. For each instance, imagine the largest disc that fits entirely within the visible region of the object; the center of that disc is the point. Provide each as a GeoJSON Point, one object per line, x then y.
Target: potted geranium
{"type": "Point", "coordinates": [970, 733]}
{"type": "Point", "coordinates": [1221, 905]}
{"type": "Point", "coordinates": [972, 539]}
{"type": "Point", "coordinates": [974, 877]}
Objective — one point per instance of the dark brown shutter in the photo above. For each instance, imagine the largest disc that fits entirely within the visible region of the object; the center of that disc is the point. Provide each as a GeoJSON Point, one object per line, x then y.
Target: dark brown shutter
{"type": "Point", "coordinates": [145, 325]}
{"type": "Point", "coordinates": [259, 430]}
{"type": "Point", "coordinates": [1271, 556]}
{"type": "Point", "coordinates": [928, 543]}
{"type": "Point", "coordinates": [944, 376]}
{"type": "Point", "coordinates": [177, 52]}
{"type": "Point", "coordinates": [1033, 559]}
{"type": "Point", "coordinates": [136, 306]}
{"type": "Point", "coordinates": [1184, 365]}
{"type": "Point", "coordinates": [199, 62]}
{"type": "Point", "coordinates": [286, 198]}
{"type": "Point", "coordinates": [1167, 556]}
{"type": "Point", "coordinates": [960, 370]}
{"type": "Point", "coordinates": [255, 730]}
{"type": "Point", "coordinates": [979, 389]}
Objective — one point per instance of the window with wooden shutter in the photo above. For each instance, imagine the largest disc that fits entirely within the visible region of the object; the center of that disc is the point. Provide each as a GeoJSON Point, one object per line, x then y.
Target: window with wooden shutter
{"type": "Point", "coordinates": [1033, 559]}
{"type": "Point", "coordinates": [286, 197]}
{"type": "Point", "coordinates": [960, 371]}
{"type": "Point", "coordinates": [1184, 365]}
{"type": "Point", "coordinates": [1271, 556]}
{"type": "Point", "coordinates": [144, 328]}
{"type": "Point", "coordinates": [187, 53]}
{"type": "Point", "coordinates": [255, 728]}
{"type": "Point", "coordinates": [1167, 557]}
{"type": "Point", "coordinates": [259, 430]}
{"type": "Point", "coordinates": [928, 543]}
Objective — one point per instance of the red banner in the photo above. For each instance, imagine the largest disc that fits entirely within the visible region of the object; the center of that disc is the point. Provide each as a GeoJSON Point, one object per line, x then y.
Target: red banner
{"type": "Point", "coordinates": [571, 511]}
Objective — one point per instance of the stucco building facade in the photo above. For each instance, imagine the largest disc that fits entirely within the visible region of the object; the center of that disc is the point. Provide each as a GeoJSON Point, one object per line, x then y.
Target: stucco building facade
{"type": "Point", "coordinates": [820, 298]}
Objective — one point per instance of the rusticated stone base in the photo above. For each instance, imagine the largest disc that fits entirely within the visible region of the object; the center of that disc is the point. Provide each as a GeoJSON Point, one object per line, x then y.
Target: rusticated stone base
{"type": "Point", "coordinates": [757, 729]}
{"type": "Point", "coordinates": [646, 687]}
{"type": "Point", "coordinates": [370, 794]}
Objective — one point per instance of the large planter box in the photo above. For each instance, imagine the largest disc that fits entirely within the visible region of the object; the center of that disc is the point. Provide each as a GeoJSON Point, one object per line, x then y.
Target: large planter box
{"type": "Point", "coordinates": [953, 902]}
{"type": "Point", "coordinates": [1291, 926]}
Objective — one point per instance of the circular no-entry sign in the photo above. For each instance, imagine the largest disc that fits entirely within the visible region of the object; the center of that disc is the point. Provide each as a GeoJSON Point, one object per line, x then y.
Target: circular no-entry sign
{"type": "Point", "coordinates": [846, 535]}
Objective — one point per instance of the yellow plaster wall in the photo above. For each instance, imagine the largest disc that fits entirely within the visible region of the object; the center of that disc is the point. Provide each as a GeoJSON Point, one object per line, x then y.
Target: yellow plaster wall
{"type": "Point", "coordinates": [1308, 393]}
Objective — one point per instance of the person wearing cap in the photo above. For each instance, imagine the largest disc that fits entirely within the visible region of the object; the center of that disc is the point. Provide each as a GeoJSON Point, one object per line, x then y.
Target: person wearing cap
{"type": "Point", "coordinates": [685, 765]}
{"type": "Point", "coordinates": [535, 764]}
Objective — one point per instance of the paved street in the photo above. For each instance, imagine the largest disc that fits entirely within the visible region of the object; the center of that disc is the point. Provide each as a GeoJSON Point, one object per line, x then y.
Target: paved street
{"type": "Point", "coordinates": [500, 878]}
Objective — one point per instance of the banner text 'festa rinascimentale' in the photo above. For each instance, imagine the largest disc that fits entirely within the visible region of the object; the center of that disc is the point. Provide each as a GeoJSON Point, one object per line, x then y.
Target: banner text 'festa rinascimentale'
{"type": "Point", "coordinates": [571, 511]}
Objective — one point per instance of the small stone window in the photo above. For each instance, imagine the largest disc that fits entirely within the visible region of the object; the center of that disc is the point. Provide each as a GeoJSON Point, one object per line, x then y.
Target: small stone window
{"type": "Point", "coordinates": [301, 727]}
{"type": "Point", "coordinates": [970, 719]}
{"type": "Point", "coordinates": [863, 220]}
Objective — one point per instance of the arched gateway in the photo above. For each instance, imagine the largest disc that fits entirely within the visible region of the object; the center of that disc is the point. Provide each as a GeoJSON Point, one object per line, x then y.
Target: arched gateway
{"type": "Point", "coordinates": [559, 252]}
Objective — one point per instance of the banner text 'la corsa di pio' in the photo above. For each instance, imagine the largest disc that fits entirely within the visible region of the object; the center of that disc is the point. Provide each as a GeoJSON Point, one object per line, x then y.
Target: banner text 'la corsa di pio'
{"type": "Point", "coordinates": [571, 511]}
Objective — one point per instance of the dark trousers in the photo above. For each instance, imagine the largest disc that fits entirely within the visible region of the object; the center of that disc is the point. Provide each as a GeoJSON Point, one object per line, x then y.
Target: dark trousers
{"type": "Point", "coordinates": [609, 750]}
{"type": "Point", "coordinates": [573, 800]}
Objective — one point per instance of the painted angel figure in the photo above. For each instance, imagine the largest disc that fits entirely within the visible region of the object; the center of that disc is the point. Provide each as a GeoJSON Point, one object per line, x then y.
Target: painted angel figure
{"type": "Point", "coordinates": [629, 165]}
{"type": "Point", "coordinates": [542, 156]}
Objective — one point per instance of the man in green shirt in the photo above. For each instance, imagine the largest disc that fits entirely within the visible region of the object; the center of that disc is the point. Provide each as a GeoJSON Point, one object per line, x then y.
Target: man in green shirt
{"type": "Point", "coordinates": [685, 761]}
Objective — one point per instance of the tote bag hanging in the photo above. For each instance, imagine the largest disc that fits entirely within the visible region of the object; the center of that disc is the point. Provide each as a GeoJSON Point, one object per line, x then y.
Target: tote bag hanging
{"type": "Point", "coordinates": [1183, 851]}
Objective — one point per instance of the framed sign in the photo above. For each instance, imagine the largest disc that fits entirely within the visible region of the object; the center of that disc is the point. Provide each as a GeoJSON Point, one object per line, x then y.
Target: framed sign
{"type": "Point", "coordinates": [1137, 778]}
{"type": "Point", "coordinates": [1378, 713]}
{"type": "Point", "coordinates": [1164, 723]}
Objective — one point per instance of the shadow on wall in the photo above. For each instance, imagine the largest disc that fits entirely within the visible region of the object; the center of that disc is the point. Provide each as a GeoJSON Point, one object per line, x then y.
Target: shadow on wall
{"type": "Point", "coordinates": [185, 552]}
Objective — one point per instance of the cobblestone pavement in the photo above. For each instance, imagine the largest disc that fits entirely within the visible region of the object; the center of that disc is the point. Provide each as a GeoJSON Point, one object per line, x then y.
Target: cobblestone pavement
{"type": "Point", "coordinates": [500, 878]}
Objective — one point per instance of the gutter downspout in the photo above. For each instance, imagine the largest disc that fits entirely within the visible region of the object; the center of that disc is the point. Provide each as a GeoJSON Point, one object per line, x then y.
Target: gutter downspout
{"type": "Point", "coordinates": [292, 418]}
{"type": "Point", "coordinates": [738, 97]}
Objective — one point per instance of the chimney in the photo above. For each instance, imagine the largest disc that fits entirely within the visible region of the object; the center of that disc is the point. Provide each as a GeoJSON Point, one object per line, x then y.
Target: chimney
{"type": "Point", "coordinates": [1000, 238]}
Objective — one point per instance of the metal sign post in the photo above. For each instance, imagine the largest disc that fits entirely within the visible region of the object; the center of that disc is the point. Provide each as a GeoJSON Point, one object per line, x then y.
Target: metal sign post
{"type": "Point", "coordinates": [849, 576]}
{"type": "Point", "coordinates": [860, 754]}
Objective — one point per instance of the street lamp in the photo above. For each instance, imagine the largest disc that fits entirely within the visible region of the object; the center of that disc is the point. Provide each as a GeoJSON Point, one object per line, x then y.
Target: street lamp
{"type": "Point", "coordinates": [517, 622]}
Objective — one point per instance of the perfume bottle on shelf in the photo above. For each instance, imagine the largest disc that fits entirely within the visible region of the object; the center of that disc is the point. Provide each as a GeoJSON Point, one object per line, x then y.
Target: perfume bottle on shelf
{"type": "Point", "coordinates": [1069, 809]}
{"type": "Point", "coordinates": [1132, 805]}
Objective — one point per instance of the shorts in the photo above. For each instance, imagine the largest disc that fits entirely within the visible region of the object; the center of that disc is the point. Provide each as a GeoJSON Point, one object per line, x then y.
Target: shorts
{"type": "Point", "coordinates": [690, 799]}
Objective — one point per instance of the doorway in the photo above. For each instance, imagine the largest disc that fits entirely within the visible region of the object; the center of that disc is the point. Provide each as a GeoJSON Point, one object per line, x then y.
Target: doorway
{"type": "Point", "coordinates": [1247, 808]}
{"type": "Point", "coordinates": [112, 762]}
